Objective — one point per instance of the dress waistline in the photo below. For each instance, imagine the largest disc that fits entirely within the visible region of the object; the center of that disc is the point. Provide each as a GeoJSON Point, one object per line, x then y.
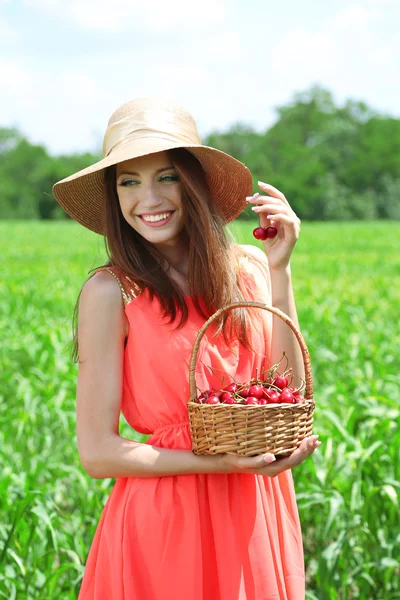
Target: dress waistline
{"type": "Point", "coordinates": [171, 426]}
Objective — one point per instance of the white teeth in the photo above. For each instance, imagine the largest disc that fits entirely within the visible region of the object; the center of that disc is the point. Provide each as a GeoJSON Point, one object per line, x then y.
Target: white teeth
{"type": "Point", "coordinates": [153, 218]}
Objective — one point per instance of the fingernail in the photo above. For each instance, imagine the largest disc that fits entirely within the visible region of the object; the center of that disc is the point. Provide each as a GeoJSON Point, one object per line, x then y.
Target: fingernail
{"type": "Point", "coordinates": [262, 183]}
{"type": "Point", "coordinates": [255, 208]}
{"type": "Point", "coordinates": [268, 458]}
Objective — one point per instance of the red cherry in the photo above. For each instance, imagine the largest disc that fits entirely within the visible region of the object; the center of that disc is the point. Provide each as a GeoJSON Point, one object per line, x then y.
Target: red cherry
{"type": "Point", "coordinates": [266, 393]}
{"type": "Point", "coordinates": [227, 398]}
{"type": "Point", "coordinates": [256, 390]}
{"type": "Point", "coordinates": [262, 401]}
{"type": "Point", "coordinates": [273, 398]}
{"type": "Point", "coordinates": [232, 387]}
{"type": "Point", "coordinates": [287, 396]}
{"type": "Point", "coordinates": [251, 400]}
{"type": "Point", "coordinates": [296, 393]}
{"type": "Point", "coordinates": [271, 232]}
{"type": "Point", "coordinates": [281, 382]}
{"type": "Point", "coordinates": [260, 233]}
{"type": "Point", "coordinates": [213, 400]}
{"type": "Point", "coordinates": [245, 392]}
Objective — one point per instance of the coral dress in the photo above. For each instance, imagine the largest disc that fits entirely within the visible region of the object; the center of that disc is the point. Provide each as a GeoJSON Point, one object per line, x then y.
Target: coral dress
{"type": "Point", "coordinates": [201, 536]}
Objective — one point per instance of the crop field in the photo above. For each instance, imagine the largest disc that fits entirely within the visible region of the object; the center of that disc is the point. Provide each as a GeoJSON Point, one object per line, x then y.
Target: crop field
{"type": "Point", "coordinates": [346, 279]}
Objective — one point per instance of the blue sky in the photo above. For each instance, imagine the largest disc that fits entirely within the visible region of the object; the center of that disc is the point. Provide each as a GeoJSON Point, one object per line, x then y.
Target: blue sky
{"type": "Point", "coordinates": [66, 65]}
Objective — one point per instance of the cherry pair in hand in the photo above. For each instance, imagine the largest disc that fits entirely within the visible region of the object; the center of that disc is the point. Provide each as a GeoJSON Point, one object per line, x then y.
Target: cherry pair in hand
{"type": "Point", "coordinates": [264, 233]}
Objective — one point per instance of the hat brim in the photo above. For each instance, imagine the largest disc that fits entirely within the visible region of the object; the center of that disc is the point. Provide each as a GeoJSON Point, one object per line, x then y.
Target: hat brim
{"type": "Point", "coordinates": [82, 195]}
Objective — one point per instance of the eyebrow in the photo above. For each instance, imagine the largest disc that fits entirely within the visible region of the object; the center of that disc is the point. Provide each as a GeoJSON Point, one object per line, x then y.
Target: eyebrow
{"type": "Point", "coordinates": [138, 174]}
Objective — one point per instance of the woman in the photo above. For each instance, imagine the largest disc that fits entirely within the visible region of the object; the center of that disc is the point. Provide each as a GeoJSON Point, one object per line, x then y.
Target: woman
{"type": "Point", "coordinates": [177, 525]}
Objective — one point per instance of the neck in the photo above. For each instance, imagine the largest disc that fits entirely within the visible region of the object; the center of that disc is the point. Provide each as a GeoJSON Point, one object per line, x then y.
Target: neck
{"type": "Point", "coordinates": [176, 255]}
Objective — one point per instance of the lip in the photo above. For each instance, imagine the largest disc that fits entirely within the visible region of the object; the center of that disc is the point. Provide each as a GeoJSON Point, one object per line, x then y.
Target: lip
{"type": "Point", "coordinates": [157, 223]}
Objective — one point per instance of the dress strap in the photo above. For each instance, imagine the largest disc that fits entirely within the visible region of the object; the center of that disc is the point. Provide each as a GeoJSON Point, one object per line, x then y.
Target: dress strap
{"type": "Point", "coordinates": [129, 289]}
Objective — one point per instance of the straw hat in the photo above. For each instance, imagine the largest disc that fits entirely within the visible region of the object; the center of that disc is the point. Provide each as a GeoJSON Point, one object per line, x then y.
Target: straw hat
{"type": "Point", "coordinates": [141, 127]}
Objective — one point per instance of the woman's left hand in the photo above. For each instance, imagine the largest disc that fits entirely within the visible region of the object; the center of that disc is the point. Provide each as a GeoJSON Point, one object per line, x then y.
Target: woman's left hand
{"type": "Point", "coordinates": [275, 211]}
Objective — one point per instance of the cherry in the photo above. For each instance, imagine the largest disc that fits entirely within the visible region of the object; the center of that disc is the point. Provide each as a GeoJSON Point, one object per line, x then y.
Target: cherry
{"type": "Point", "coordinates": [256, 390]}
{"type": "Point", "coordinates": [262, 401]}
{"type": "Point", "coordinates": [266, 393]}
{"type": "Point", "coordinates": [227, 398]}
{"type": "Point", "coordinates": [245, 392]}
{"type": "Point", "coordinates": [271, 232]}
{"type": "Point", "coordinates": [281, 382]}
{"type": "Point", "coordinates": [296, 392]}
{"type": "Point", "coordinates": [251, 400]}
{"type": "Point", "coordinates": [287, 397]}
{"type": "Point", "coordinates": [213, 400]}
{"type": "Point", "coordinates": [232, 387]}
{"type": "Point", "coordinates": [260, 233]}
{"type": "Point", "coordinates": [274, 398]}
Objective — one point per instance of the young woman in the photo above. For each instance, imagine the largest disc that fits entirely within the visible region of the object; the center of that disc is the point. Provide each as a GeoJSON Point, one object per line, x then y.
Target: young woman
{"type": "Point", "coordinates": [180, 526]}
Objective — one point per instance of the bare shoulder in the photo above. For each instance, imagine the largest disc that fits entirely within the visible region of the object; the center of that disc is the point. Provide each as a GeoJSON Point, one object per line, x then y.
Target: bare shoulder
{"type": "Point", "coordinates": [254, 252]}
{"type": "Point", "coordinates": [101, 287]}
{"type": "Point", "coordinates": [101, 296]}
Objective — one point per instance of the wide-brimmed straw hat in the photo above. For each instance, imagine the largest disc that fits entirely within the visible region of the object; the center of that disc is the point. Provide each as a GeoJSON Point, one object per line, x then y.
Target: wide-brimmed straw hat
{"type": "Point", "coordinates": [144, 126]}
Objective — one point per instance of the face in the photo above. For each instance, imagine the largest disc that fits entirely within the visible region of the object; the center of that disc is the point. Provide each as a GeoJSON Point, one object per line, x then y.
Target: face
{"type": "Point", "coordinates": [150, 196]}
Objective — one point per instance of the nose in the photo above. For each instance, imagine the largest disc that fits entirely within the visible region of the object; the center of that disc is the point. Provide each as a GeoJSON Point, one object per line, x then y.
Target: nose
{"type": "Point", "coordinates": [150, 199]}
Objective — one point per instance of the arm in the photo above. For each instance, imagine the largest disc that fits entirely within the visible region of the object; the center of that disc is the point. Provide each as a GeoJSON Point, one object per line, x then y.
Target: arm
{"type": "Point", "coordinates": [283, 339]}
{"type": "Point", "coordinates": [102, 330]}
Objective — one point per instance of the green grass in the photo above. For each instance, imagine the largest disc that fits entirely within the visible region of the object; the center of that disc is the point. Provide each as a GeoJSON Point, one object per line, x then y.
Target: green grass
{"type": "Point", "coordinates": [346, 285]}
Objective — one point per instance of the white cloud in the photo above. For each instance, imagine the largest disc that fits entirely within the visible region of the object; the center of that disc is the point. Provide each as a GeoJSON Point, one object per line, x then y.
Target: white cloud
{"type": "Point", "coordinates": [119, 15]}
{"type": "Point", "coordinates": [50, 107]}
{"type": "Point", "coordinates": [15, 79]}
{"type": "Point", "coordinates": [300, 44]}
{"type": "Point", "coordinates": [355, 16]}
{"type": "Point", "coordinates": [7, 31]}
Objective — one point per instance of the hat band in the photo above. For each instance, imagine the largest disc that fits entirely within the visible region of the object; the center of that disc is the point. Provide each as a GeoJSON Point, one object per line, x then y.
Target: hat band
{"type": "Point", "coordinates": [150, 124]}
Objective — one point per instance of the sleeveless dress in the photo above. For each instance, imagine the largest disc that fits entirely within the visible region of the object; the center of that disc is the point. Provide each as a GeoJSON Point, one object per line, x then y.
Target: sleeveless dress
{"type": "Point", "coordinates": [198, 536]}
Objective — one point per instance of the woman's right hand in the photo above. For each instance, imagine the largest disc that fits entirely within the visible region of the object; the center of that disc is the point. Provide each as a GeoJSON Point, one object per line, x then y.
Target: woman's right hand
{"type": "Point", "coordinates": [265, 464]}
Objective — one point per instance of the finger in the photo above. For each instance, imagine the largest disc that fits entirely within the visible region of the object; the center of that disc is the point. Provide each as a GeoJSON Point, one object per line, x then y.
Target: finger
{"type": "Point", "coordinates": [282, 218]}
{"type": "Point", "coordinates": [254, 462]}
{"type": "Point", "coordinates": [263, 199]}
{"type": "Point", "coordinates": [270, 189]}
{"type": "Point", "coordinates": [269, 207]}
{"type": "Point", "coordinates": [301, 452]}
{"type": "Point", "coordinates": [306, 448]}
{"type": "Point", "coordinates": [279, 217]}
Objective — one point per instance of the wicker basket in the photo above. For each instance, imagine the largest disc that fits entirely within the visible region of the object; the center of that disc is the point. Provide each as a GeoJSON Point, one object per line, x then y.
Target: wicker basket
{"type": "Point", "coordinates": [249, 430]}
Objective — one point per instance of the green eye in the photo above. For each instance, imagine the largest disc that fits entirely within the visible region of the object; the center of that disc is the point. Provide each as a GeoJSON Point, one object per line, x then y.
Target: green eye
{"type": "Point", "coordinates": [130, 182]}
{"type": "Point", "coordinates": [170, 177]}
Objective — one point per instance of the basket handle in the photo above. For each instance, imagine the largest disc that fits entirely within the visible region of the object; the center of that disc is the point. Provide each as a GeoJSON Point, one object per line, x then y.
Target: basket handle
{"type": "Point", "coordinates": [275, 311]}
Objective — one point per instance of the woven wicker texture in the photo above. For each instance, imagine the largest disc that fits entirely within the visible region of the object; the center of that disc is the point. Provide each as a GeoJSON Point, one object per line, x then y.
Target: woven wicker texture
{"type": "Point", "coordinates": [249, 430]}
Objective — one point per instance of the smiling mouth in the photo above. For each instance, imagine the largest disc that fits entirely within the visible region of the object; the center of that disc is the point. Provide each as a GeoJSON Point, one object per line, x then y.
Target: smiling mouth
{"type": "Point", "coordinates": [157, 220]}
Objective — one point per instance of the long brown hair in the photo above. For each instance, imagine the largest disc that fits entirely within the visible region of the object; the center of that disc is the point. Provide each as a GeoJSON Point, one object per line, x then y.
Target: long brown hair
{"type": "Point", "coordinates": [213, 258]}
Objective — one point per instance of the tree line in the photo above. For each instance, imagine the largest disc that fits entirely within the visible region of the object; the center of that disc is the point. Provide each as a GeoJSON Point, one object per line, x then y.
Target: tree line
{"type": "Point", "coordinates": [331, 162]}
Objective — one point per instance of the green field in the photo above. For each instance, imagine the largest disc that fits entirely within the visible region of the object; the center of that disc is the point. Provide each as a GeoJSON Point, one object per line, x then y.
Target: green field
{"type": "Point", "coordinates": [347, 291]}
